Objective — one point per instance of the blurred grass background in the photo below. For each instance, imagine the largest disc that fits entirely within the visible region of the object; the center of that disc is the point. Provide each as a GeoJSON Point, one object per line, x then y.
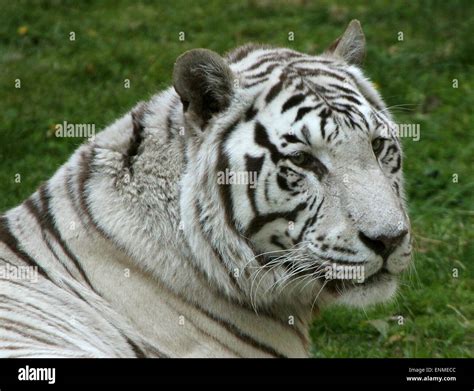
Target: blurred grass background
{"type": "Point", "coordinates": [82, 81]}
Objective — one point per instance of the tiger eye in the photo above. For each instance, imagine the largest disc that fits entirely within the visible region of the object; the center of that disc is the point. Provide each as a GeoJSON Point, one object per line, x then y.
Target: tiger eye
{"type": "Point", "coordinates": [377, 145]}
{"type": "Point", "coordinates": [298, 158]}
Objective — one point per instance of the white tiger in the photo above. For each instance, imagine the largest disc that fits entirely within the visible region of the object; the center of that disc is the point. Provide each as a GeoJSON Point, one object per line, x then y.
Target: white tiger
{"type": "Point", "coordinates": [142, 252]}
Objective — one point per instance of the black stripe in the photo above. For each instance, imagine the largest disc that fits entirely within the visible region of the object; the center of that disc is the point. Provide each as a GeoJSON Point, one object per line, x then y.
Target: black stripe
{"type": "Point", "coordinates": [260, 221]}
{"type": "Point", "coordinates": [47, 317]}
{"type": "Point", "coordinates": [7, 237]}
{"type": "Point", "coordinates": [312, 203]}
{"type": "Point", "coordinates": [275, 90]}
{"type": "Point", "coordinates": [344, 250]}
{"type": "Point", "coordinates": [47, 221]}
{"type": "Point", "coordinates": [255, 83]}
{"type": "Point", "coordinates": [310, 60]}
{"type": "Point", "coordinates": [292, 102]}
{"type": "Point", "coordinates": [291, 138]}
{"type": "Point", "coordinates": [225, 189]}
{"type": "Point", "coordinates": [282, 183]}
{"type": "Point", "coordinates": [242, 336]}
{"type": "Point", "coordinates": [169, 125]}
{"type": "Point", "coordinates": [333, 134]}
{"type": "Point", "coordinates": [262, 139]}
{"type": "Point", "coordinates": [240, 53]}
{"type": "Point", "coordinates": [310, 221]}
{"type": "Point", "coordinates": [267, 185]}
{"type": "Point", "coordinates": [263, 73]}
{"type": "Point", "coordinates": [274, 240]}
{"type": "Point", "coordinates": [215, 251]}
{"type": "Point", "coordinates": [87, 156]}
{"type": "Point", "coordinates": [234, 330]}
{"type": "Point", "coordinates": [227, 325]}
{"type": "Point", "coordinates": [269, 57]}
{"type": "Point", "coordinates": [344, 89]}
{"type": "Point", "coordinates": [139, 353]}
{"type": "Point", "coordinates": [320, 72]}
{"type": "Point", "coordinates": [323, 120]}
{"type": "Point", "coordinates": [306, 134]}
{"type": "Point", "coordinates": [391, 150]}
{"type": "Point", "coordinates": [47, 292]}
{"type": "Point", "coordinates": [137, 135]}
{"type": "Point", "coordinates": [367, 126]}
{"type": "Point", "coordinates": [34, 211]}
{"type": "Point", "coordinates": [265, 312]}
{"type": "Point", "coordinates": [250, 113]}
{"type": "Point", "coordinates": [302, 111]}
{"type": "Point", "coordinates": [340, 260]}
{"type": "Point", "coordinates": [253, 164]}
{"type": "Point", "coordinates": [397, 188]}
{"type": "Point", "coordinates": [350, 98]}
{"type": "Point", "coordinates": [226, 199]}
{"type": "Point", "coordinates": [199, 273]}
{"type": "Point", "coordinates": [398, 165]}
{"type": "Point", "coordinates": [21, 325]}
{"type": "Point", "coordinates": [277, 56]}
{"type": "Point", "coordinates": [26, 335]}
{"type": "Point", "coordinates": [367, 97]}
{"type": "Point", "coordinates": [82, 178]}
{"type": "Point", "coordinates": [72, 197]}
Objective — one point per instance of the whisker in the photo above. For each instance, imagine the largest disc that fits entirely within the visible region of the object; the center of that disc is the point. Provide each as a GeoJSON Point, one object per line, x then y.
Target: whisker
{"type": "Point", "coordinates": [317, 296]}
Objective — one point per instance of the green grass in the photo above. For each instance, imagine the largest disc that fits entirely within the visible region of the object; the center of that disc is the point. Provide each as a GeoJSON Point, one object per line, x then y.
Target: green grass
{"type": "Point", "coordinates": [82, 81]}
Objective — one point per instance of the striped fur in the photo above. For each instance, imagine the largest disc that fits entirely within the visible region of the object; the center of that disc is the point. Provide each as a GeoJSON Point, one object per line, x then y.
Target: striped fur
{"type": "Point", "coordinates": [140, 252]}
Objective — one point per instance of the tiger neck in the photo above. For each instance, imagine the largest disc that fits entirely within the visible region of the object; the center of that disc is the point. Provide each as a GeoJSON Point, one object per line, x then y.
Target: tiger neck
{"type": "Point", "coordinates": [164, 288]}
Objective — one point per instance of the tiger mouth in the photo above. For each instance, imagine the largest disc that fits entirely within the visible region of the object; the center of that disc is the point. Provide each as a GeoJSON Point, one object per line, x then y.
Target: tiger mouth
{"type": "Point", "coordinates": [338, 286]}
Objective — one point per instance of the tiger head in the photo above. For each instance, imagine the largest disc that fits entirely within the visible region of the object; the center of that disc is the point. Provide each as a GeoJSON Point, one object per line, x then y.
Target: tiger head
{"type": "Point", "coordinates": [293, 188]}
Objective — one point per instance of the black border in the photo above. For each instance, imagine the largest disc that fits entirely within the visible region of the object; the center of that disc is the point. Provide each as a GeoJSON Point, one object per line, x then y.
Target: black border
{"type": "Point", "coordinates": [290, 372]}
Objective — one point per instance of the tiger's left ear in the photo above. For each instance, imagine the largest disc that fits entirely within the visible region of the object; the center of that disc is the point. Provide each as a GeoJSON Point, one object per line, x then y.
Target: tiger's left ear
{"type": "Point", "coordinates": [351, 45]}
{"type": "Point", "coordinates": [203, 80]}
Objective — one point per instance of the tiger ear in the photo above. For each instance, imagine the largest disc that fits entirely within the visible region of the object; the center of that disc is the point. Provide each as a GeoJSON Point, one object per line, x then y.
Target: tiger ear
{"type": "Point", "coordinates": [350, 46]}
{"type": "Point", "coordinates": [203, 81]}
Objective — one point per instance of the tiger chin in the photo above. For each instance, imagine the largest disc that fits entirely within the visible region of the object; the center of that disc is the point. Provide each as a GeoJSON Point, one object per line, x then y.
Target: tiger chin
{"type": "Point", "coordinates": [215, 219]}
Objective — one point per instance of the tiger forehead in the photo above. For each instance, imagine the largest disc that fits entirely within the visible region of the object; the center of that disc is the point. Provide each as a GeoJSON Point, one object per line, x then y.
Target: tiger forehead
{"type": "Point", "coordinates": [317, 99]}
{"type": "Point", "coordinates": [302, 110]}
{"type": "Point", "coordinates": [259, 67]}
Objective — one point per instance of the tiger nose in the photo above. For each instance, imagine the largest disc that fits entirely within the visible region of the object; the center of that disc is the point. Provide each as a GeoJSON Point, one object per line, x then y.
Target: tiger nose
{"type": "Point", "coordinates": [383, 245]}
